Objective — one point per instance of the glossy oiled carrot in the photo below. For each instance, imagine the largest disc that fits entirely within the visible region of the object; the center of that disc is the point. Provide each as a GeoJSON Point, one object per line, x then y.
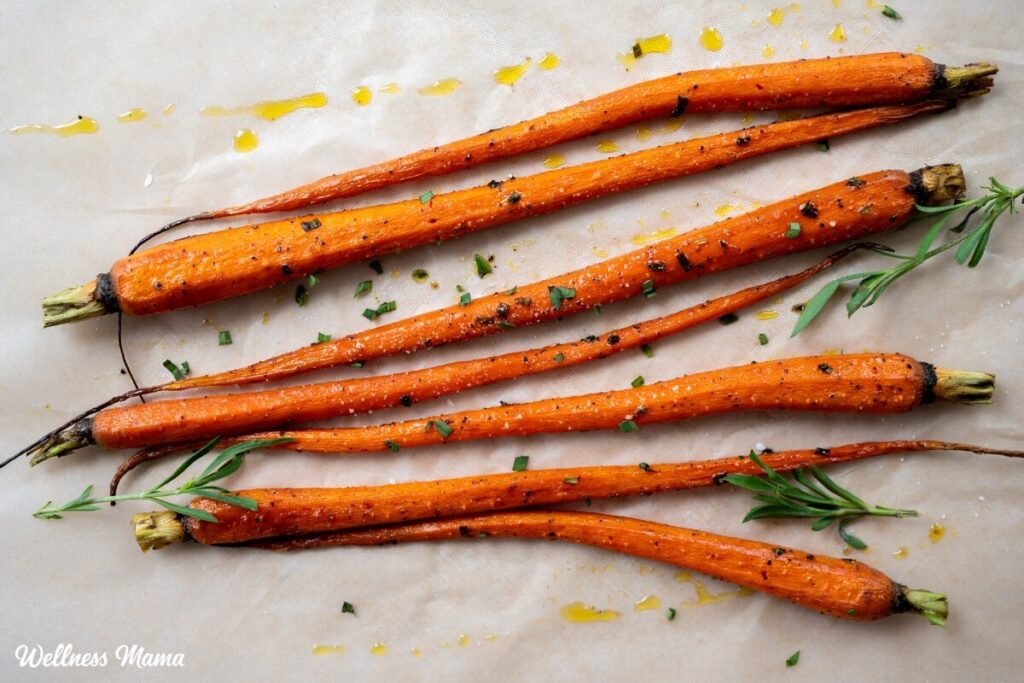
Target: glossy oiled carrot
{"type": "Point", "coordinates": [859, 383]}
{"type": "Point", "coordinates": [228, 263]}
{"type": "Point", "coordinates": [858, 80]}
{"type": "Point", "coordinates": [303, 511]}
{"type": "Point", "coordinates": [843, 588]}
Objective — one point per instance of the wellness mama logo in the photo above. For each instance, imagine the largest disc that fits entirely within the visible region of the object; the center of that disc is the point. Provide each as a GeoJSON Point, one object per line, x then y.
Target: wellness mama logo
{"type": "Point", "coordinates": [65, 656]}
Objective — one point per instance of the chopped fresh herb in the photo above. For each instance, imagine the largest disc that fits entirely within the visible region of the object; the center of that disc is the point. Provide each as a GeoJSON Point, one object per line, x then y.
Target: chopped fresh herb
{"type": "Point", "coordinates": [520, 463]}
{"type": "Point", "coordinates": [794, 231]}
{"type": "Point", "coordinates": [559, 357]}
{"type": "Point", "coordinates": [793, 659]}
{"type": "Point", "coordinates": [179, 372]}
{"type": "Point", "coordinates": [823, 145]}
{"type": "Point", "coordinates": [762, 339]}
{"type": "Point", "coordinates": [376, 267]}
{"type": "Point", "coordinates": [866, 209]}
{"type": "Point", "coordinates": [728, 319]}
{"type": "Point", "coordinates": [465, 299]}
{"type": "Point", "coordinates": [671, 613]}
{"type": "Point", "coordinates": [224, 338]}
{"type": "Point", "coordinates": [891, 13]}
{"type": "Point", "coordinates": [855, 182]}
{"type": "Point", "coordinates": [851, 612]}
{"type": "Point", "coordinates": [311, 224]}
{"type": "Point", "coordinates": [312, 280]}
{"type": "Point", "coordinates": [514, 197]}
{"type": "Point", "coordinates": [369, 313]}
{"type": "Point", "coordinates": [426, 197]}
{"type": "Point", "coordinates": [442, 428]}
{"type": "Point", "coordinates": [386, 307]}
{"type": "Point", "coordinates": [627, 426]}
{"type": "Point", "coordinates": [348, 608]}
{"type": "Point", "coordinates": [648, 288]}
{"type": "Point", "coordinates": [571, 480]}
{"type": "Point", "coordinates": [597, 310]}
{"type": "Point", "coordinates": [363, 287]}
{"type": "Point", "coordinates": [482, 266]}
{"type": "Point", "coordinates": [392, 446]}
{"type": "Point", "coordinates": [357, 364]}
{"type": "Point", "coordinates": [321, 337]}
{"type": "Point", "coordinates": [560, 294]}
{"type": "Point", "coordinates": [638, 382]}
{"type": "Point", "coordinates": [505, 325]}
{"type": "Point", "coordinates": [647, 350]}
{"type": "Point", "coordinates": [420, 275]}
{"type": "Point", "coordinates": [509, 292]}
{"type": "Point", "coordinates": [646, 467]}
{"type": "Point", "coordinates": [301, 295]}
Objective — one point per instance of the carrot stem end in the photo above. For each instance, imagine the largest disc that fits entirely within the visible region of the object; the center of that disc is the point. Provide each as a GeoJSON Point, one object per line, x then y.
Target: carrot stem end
{"type": "Point", "coordinates": [154, 530]}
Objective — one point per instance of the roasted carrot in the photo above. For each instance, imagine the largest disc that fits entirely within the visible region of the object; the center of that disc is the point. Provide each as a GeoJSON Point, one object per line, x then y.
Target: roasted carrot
{"type": "Point", "coordinates": [858, 80]}
{"type": "Point", "coordinates": [843, 588]}
{"type": "Point", "coordinates": [236, 261]}
{"type": "Point", "coordinates": [860, 383]}
{"type": "Point", "coordinates": [293, 511]}
{"type": "Point", "coordinates": [179, 420]}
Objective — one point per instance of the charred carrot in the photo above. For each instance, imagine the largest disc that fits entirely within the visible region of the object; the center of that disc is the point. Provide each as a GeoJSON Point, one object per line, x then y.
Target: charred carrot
{"type": "Point", "coordinates": [302, 511]}
{"type": "Point", "coordinates": [861, 383]}
{"type": "Point", "coordinates": [174, 421]}
{"type": "Point", "coordinates": [859, 80]}
{"type": "Point", "coordinates": [843, 588]}
{"type": "Point", "coordinates": [232, 262]}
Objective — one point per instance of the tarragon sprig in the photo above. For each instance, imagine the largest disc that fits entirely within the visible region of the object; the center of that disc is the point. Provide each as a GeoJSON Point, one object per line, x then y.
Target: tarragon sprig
{"type": "Point", "coordinates": [811, 494]}
{"type": "Point", "coordinates": [970, 247]}
{"type": "Point", "coordinates": [224, 465]}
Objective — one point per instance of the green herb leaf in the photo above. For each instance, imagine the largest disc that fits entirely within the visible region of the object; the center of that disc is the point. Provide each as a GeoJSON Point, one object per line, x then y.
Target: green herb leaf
{"type": "Point", "coordinates": [179, 372]}
{"type": "Point", "coordinates": [483, 266]}
{"type": "Point", "coordinates": [392, 446]}
{"type": "Point", "coordinates": [823, 145]}
{"type": "Point", "coordinates": [348, 608]}
{"type": "Point", "coordinates": [597, 310]}
{"type": "Point", "coordinates": [638, 381]}
{"type": "Point", "coordinates": [442, 428]}
{"type": "Point", "coordinates": [891, 13]}
{"type": "Point", "coordinates": [559, 357]}
{"type": "Point", "coordinates": [793, 659]}
{"type": "Point", "coordinates": [649, 289]}
{"type": "Point", "coordinates": [376, 267]}
{"type": "Point", "coordinates": [312, 280]}
{"type": "Point", "coordinates": [426, 197]}
{"type": "Point", "coordinates": [646, 467]}
{"type": "Point", "coordinates": [647, 350]}
{"type": "Point", "coordinates": [321, 337]}
{"type": "Point", "coordinates": [762, 339]}
{"type": "Point", "coordinates": [224, 338]}
{"type": "Point", "coordinates": [363, 287]}
{"type": "Point", "coordinates": [465, 299]}
{"type": "Point", "coordinates": [671, 615]}
{"type": "Point", "coordinates": [301, 295]}
{"type": "Point", "coordinates": [728, 319]}
{"type": "Point", "coordinates": [420, 275]}
{"type": "Point", "coordinates": [627, 426]}
{"type": "Point", "coordinates": [560, 294]}
{"type": "Point", "coordinates": [571, 480]}
{"type": "Point", "coordinates": [311, 224]}
{"type": "Point", "coordinates": [520, 463]}
{"type": "Point", "coordinates": [369, 313]}
{"type": "Point", "coordinates": [793, 232]}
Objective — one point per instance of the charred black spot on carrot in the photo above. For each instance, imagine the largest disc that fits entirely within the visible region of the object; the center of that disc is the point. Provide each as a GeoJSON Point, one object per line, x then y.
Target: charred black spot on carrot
{"type": "Point", "coordinates": [809, 209]}
{"type": "Point", "coordinates": [824, 452]}
{"type": "Point", "coordinates": [743, 141]}
{"type": "Point", "coordinates": [309, 225]}
{"type": "Point", "coordinates": [825, 367]}
{"type": "Point", "coordinates": [681, 104]}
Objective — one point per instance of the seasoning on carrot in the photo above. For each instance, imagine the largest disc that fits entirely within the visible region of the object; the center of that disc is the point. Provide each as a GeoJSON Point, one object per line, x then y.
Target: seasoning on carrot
{"type": "Point", "coordinates": [858, 80]}
{"type": "Point", "coordinates": [210, 267]}
{"type": "Point", "coordinates": [204, 417]}
{"type": "Point", "coordinates": [843, 588]}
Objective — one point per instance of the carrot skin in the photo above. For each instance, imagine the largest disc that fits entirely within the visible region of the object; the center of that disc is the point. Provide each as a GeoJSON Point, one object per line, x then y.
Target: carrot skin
{"type": "Point", "coordinates": [862, 383]}
{"type": "Point", "coordinates": [859, 80]}
{"type": "Point", "coordinates": [301, 511]}
{"type": "Point", "coordinates": [885, 200]}
{"type": "Point", "coordinates": [843, 588]}
{"type": "Point", "coordinates": [204, 268]}
{"type": "Point", "coordinates": [177, 420]}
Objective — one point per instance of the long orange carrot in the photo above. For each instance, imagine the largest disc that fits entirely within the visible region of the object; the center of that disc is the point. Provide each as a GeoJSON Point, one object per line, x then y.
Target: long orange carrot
{"type": "Point", "coordinates": [180, 420]}
{"type": "Point", "coordinates": [228, 263]}
{"type": "Point", "coordinates": [862, 383]}
{"type": "Point", "coordinates": [843, 588]}
{"type": "Point", "coordinates": [858, 80]}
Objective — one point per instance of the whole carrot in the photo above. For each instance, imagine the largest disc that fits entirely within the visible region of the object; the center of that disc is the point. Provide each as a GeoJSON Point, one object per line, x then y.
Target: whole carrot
{"type": "Point", "coordinates": [180, 420]}
{"type": "Point", "coordinates": [860, 383]}
{"type": "Point", "coordinates": [304, 511]}
{"type": "Point", "coordinates": [843, 588]}
{"type": "Point", "coordinates": [232, 262]}
{"type": "Point", "coordinates": [858, 80]}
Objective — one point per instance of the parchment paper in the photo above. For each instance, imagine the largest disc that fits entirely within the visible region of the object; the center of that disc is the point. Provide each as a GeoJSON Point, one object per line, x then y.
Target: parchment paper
{"type": "Point", "coordinates": [72, 206]}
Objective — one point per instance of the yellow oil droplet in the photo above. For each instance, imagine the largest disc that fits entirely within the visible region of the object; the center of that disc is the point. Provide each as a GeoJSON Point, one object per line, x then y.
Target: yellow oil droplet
{"type": "Point", "coordinates": [919, 48]}
{"type": "Point", "coordinates": [549, 62]}
{"type": "Point", "coordinates": [665, 213]}
{"type": "Point", "coordinates": [271, 110]}
{"type": "Point", "coordinates": [599, 252]}
{"type": "Point", "coordinates": [246, 141]}
{"type": "Point", "coordinates": [554, 161]}
{"type": "Point", "coordinates": [837, 34]}
{"type": "Point", "coordinates": [936, 532]}
{"type": "Point", "coordinates": [872, 4]}
{"type": "Point", "coordinates": [607, 147]}
{"type": "Point", "coordinates": [647, 238]}
{"type": "Point", "coordinates": [320, 650]}
{"type": "Point", "coordinates": [627, 59]}
{"type": "Point", "coordinates": [726, 209]}
{"type": "Point", "coordinates": [766, 315]}
{"type": "Point", "coordinates": [490, 637]}
{"type": "Point", "coordinates": [265, 318]}
{"type": "Point", "coordinates": [837, 3]}
{"type": "Point", "coordinates": [362, 95]}
{"type": "Point", "coordinates": [671, 125]}
{"type": "Point", "coordinates": [704, 596]}
{"type": "Point", "coordinates": [768, 50]}
{"type": "Point", "coordinates": [83, 125]}
{"type": "Point", "coordinates": [804, 45]}
{"type": "Point", "coordinates": [644, 133]}
{"type": "Point", "coordinates": [390, 89]}
{"type": "Point", "coordinates": [580, 613]}
{"type": "Point", "coordinates": [648, 602]}
{"type": "Point", "coordinates": [508, 75]}
{"type": "Point", "coordinates": [711, 39]}
{"type": "Point", "coordinates": [831, 352]}
{"type": "Point", "coordinates": [416, 652]}
{"type": "Point", "coordinates": [132, 115]}
{"type": "Point", "coordinates": [748, 119]}
{"type": "Point", "coordinates": [775, 17]}
{"type": "Point", "coordinates": [445, 86]}
{"type": "Point", "coordinates": [790, 114]}
{"type": "Point", "coordinates": [379, 649]}
{"type": "Point", "coordinates": [463, 640]}
{"type": "Point", "coordinates": [661, 43]}
{"type": "Point", "coordinates": [901, 553]}
{"type": "Point", "coordinates": [169, 109]}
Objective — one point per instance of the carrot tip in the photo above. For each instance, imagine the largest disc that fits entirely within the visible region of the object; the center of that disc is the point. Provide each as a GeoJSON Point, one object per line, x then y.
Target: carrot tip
{"type": "Point", "coordinates": [71, 305]}
{"type": "Point", "coordinates": [69, 439]}
{"type": "Point", "coordinates": [969, 75]}
{"type": "Point", "coordinates": [154, 530]}
{"type": "Point", "coordinates": [961, 386]}
{"type": "Point", "coordinates": [932, 606]}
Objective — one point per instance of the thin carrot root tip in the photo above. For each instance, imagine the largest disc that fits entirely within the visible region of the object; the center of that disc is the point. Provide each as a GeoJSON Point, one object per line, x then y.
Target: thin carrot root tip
{"type": "Point", "coordinates": [154, 530]}
{"type": "Point", "coordinates": [936, 184]}
{"type": "Point", "coordinates": [932, 606]}
{"type": "Point", "coordinates": [72, 305]}
{"type": "Point", "coordinates": [962, 386]}
{"type": "Point", "coordinates": [62, 443]}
